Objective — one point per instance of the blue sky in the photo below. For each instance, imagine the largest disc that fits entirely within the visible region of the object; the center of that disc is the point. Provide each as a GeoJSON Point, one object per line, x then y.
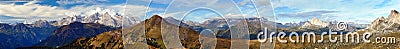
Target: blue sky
{"type": "Point", "coordinates": [359, 11]}
{"type": "Point", "coordinates": [283, 11]}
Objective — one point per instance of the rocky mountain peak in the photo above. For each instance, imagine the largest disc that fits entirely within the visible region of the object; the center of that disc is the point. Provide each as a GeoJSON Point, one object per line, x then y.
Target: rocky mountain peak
{"type": "Point", "coordinates": [315, 19]}
{"type": "Point", "coordinates": [105, 17]}
{"type": "Point", "coordinates": [42, 23]}
{"type": "Point", "coordinates": [390, 24]}
{"type": "Point", "coordinates": [394, 16]}
{"type": "Point", "coordinates": [316, 22]}
{"type": "Point", "coordinates": [155, 17]}
{"type": "Point", "coordinates": [394, 12]}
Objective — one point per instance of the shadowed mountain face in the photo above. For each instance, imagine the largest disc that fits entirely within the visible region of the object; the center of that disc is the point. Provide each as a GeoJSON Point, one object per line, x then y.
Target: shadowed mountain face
{"type": "Point", "coordinates": [22, 35]}
{"type": "Point", "coordinates": [107, 40]}
{"type": "Point", "coordinates": [69, 33]}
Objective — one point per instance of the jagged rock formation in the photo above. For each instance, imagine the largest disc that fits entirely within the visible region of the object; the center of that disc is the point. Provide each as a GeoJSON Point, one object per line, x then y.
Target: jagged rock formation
{"type": "Point", "coordinates": [390, 24]}
{"type": "Point", "coordinates": [394, 16]}
{"type": "Point", "coordinates": [315, 22]}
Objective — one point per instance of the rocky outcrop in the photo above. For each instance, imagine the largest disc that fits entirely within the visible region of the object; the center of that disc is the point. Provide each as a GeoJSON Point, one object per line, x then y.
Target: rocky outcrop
{"type": "Point", "coordinates": [390, 24]}
{"type": "Point", "coordinates": [394, 16]}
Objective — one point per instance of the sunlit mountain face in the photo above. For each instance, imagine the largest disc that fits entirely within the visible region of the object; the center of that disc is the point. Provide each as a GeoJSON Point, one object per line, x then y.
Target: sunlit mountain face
{"type": "Point", "coordinates": [199, 24]}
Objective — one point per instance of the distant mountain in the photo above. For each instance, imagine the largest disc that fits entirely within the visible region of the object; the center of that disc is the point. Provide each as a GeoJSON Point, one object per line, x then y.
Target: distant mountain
{"type": "Point", "coordinates": [294, 24]}
{"type": "Point", "coordinates": [106, 17]}
{"type": "Point", "coordinates": [23, 35]}
{"type": "Point", "coordinates": [315, 22]}
{"type": "Point", "coordinates": [191, 23]}
{"type": "Point", "coordinates": [174, 21]}
{"type": "Point", "coordinates": [69, 33]}
{"type": "Point", "coordinates": [390, 24]}
{"type": "Point", "coordinates": [42, 23]}
{"type": "Point", "coordinates": [255, 25]}
{"type": "Point", "coordinates": [319, 26]}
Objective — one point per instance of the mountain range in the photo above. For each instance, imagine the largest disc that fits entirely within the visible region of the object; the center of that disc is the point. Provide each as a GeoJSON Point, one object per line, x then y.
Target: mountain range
{"type": "Point", "coordinates": [23, 35]}
{"type": "Point", "coordinates": [68, 33]}
{"type": "Point", "coordinates": [101, 16]}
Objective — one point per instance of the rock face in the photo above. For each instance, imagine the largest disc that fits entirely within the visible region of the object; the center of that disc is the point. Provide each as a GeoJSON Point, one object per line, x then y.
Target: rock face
{"type": "Point", "coordinates": [394, 16]}
{"type": "Point", "coordinates": [390, 24]}
{"type": "Point", "coordinates": [315, 22]}
{"type": "Point", "coordinates": [68, 33]}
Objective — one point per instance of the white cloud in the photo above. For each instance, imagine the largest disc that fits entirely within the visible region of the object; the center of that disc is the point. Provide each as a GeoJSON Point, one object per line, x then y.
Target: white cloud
{"type": "Point", "coordinates": [30, 9]}
{"type": "Point", "coordinates": [32, 12]}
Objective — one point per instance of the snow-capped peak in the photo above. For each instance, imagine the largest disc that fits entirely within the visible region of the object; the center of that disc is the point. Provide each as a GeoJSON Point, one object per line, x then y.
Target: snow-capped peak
{"type": "Point", "coordinates": [102, 16]}
{"type": "Point", "coordinates": [111, 12]}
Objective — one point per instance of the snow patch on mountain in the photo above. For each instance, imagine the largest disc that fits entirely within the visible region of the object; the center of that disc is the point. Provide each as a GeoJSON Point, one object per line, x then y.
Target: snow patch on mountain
{"type": "Point", "coordinates": [107, 17]}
